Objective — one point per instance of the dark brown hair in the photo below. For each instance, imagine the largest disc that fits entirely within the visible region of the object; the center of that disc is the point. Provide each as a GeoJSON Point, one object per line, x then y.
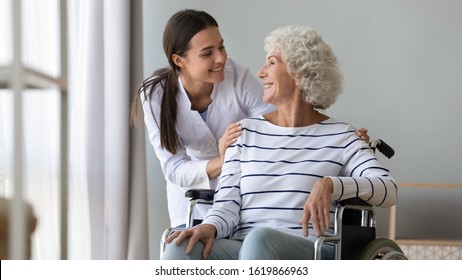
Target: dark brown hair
{"type": "Point", "coordinates": [180, 28]}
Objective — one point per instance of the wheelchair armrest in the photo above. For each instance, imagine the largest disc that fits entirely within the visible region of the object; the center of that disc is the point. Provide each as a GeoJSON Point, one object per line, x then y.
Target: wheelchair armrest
{"type": "Point", "coordinates": [353, 210]}
{"type": "Point", "coordinates": [205, 194]}
{"type": "Point", "coordinates": [353, 201]}
{"type": "Point", "coordinates": [197, 196]}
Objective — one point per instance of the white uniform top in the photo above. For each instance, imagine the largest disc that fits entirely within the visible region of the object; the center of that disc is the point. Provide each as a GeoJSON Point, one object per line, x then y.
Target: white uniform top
{"type": "Point", "coordinates": [237, 97]}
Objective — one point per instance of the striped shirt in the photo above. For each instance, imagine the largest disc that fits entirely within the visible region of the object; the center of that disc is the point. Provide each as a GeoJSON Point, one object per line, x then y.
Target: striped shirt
{"type": "Point", "coordinates": [269, 172]}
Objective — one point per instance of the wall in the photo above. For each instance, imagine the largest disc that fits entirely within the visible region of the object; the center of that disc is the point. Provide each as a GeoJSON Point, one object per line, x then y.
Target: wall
{"type": "Point", "coordinates": [401, 62]}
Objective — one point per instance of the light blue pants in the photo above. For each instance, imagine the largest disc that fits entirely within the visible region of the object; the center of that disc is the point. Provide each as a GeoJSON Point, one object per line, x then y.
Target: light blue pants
{"type": "Point", "coordinates": [259, 244]}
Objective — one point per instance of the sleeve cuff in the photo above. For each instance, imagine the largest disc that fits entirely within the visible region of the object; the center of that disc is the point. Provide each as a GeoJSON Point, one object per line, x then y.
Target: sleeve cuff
{"type": "Point", "coordinates": [338, 190]}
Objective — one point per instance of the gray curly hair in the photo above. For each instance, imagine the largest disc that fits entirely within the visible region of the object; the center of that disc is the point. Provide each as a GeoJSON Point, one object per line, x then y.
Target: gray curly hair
{"type": "Point", "coordinates": [311, 61]}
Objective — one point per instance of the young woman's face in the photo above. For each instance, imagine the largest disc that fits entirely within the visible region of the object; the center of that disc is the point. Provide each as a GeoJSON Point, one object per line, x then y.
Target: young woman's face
{"type": "Point", "coordinates": [279, 86]}
{"type": "Point", "coordinates": [206, 58]}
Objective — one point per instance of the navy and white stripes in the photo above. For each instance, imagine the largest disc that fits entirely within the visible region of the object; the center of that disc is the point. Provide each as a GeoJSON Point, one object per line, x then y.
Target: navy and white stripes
{"type": "Point", "coordinates": [270, 170]}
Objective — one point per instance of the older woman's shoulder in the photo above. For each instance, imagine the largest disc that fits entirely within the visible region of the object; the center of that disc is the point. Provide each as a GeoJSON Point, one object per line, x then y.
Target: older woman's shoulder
{"type": "Point", "coordinates": [334, 124]}
{"type": "Point", "coordinates": [253, 121]}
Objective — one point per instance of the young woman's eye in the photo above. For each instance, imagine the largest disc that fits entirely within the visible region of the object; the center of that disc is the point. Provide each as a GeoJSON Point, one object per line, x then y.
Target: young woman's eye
{"type": "Point", "coordinates": [207, 54]}
{"type": "Point", "coordinates": [222, 48]}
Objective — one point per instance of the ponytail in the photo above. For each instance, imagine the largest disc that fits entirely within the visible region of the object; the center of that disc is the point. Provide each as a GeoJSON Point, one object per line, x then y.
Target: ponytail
{"type": "Point", "coordinates": [168, 80]}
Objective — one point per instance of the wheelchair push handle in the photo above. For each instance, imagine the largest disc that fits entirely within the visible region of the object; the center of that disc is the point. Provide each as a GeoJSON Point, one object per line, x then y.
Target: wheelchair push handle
{"type": "Point", "coordinates": [383, 147]}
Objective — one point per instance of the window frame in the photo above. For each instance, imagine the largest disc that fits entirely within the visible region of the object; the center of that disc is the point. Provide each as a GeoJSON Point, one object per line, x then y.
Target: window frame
{"type": "Point", "coordinates": [19, 78]}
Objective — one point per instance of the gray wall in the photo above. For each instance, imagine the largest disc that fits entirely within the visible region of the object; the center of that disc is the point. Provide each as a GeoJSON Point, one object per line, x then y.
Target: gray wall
{"type": "Point", "coordinates": [402, 65]}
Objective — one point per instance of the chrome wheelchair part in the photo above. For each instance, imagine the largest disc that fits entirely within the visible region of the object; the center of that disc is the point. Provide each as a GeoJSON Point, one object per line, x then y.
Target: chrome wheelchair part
{"type": "Point", "coordinates": [197, 196]}
{"type": "Point", "coordinates": [164, 236]}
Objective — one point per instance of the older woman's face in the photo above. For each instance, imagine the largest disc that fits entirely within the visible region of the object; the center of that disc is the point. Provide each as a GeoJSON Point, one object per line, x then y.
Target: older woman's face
{"type": "Point", "coordinates": [279, 86]}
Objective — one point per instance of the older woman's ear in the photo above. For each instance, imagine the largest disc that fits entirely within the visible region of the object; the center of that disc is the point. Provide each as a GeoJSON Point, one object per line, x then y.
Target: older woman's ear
{"type": "Point", "coordinates": [297, 81]}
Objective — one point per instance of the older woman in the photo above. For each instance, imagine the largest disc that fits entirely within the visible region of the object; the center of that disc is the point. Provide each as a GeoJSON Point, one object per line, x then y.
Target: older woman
{"type": "Point", "coordinates": [289, 168]}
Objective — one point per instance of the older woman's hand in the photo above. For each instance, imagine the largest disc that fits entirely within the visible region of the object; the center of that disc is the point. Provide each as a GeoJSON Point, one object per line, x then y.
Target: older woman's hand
{"type": "Point", "coordinates": [204, 233]}
{"type": "Point", "coordinates": [317, 207]}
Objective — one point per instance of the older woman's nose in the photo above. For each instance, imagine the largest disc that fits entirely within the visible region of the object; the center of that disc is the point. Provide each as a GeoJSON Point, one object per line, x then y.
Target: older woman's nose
{"type": "Point", "coordinates": [262, 72]}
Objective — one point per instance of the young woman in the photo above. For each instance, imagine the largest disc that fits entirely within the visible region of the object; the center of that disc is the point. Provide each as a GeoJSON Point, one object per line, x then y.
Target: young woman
{"type": "Point", "coordinates": [191, 108]}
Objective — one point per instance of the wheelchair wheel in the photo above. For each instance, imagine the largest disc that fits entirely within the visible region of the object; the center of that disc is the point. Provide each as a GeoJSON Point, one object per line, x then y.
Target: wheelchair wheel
{"type": "Point", "coordinates": [382, 249]}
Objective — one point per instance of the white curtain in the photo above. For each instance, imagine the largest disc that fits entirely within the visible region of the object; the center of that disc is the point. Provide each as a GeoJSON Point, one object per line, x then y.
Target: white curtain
{"type": "Point", "coordinates": [107, 192]}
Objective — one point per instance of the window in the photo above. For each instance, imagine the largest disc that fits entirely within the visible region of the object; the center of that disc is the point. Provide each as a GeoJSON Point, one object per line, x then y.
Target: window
{"type": "Point", "coordinates": [33, 112]}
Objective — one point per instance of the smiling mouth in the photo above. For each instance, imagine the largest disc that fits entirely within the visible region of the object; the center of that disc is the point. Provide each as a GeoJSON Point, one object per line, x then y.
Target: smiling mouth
{"type": "Point", "coordinates": [217, 69]}
{"type": "Point", "coordinates": [266, 86]}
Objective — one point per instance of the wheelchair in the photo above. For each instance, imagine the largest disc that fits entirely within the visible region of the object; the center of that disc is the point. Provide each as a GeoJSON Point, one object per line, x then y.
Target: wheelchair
{"type": "Point", "coordinates": [354, 235]}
